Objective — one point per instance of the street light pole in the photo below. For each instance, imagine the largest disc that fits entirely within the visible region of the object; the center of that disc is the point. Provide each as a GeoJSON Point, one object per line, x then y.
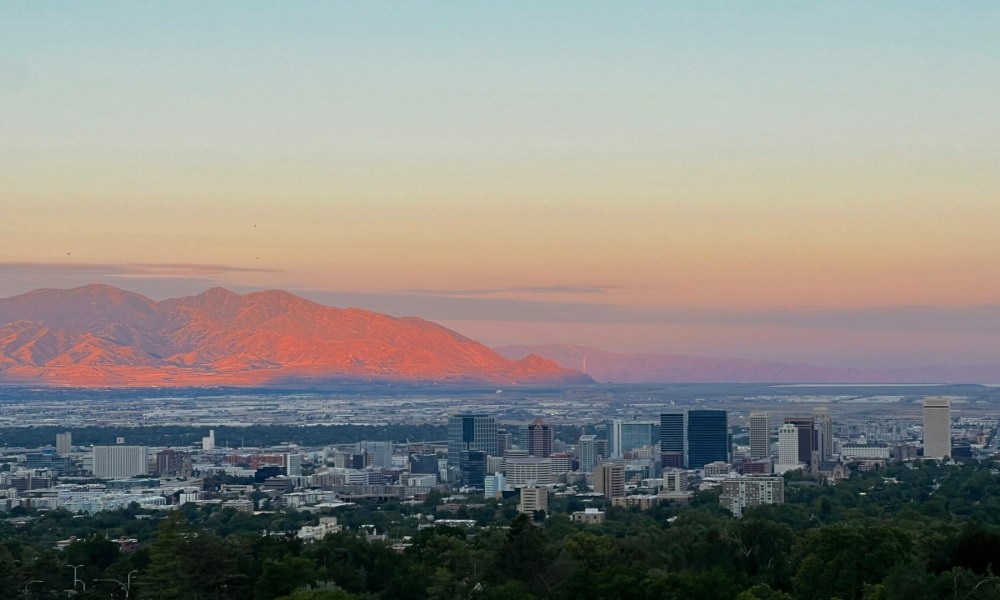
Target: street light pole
{"type": "Point", "coordinates": [75, 578]}
{"type": "Point", "coordinates": [128, 582]}
{"type": "Point", "coordinates": [28, 584]}
{"type": "Point", "coordinates": [127, 586]}
{"type": "Point", "coordinates": [120, 584]}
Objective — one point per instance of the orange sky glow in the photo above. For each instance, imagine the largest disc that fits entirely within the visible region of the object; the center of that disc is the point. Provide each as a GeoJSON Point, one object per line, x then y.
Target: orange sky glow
{"type": "Point", "coordinates": [690, 180]}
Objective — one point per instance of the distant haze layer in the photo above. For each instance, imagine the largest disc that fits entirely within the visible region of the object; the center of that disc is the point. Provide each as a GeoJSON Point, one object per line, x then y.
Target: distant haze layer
{"type": "Point", "coordinates": [606, 366]}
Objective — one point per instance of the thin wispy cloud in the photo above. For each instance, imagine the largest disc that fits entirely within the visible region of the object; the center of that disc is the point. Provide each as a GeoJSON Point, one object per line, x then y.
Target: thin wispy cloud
{"type": "Point", "coordinates": [570, 289]}
{"type": "Point", "coordinates": [452, 307]}
{"type": "Point", "coordinates": [70, 268]}
{"type": "Point", "coordinates": [198, 268]}
{"type": "Point", "coordinates": [156, 280]}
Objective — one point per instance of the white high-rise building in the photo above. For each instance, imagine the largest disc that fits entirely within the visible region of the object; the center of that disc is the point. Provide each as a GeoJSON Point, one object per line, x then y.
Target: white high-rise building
{"type": "Point", "coordinates": [494, 485]}
{"type": "Point", "coordinates": [616, 438]}
{"type": "Point", "coordinates": [741, 492]}
{"type": "Point", "coordinates": [587, 452]}
{"type": "Point", "coordinates": [64, 443]}
{"type": "Point", "coordinates": [760, 435]}
{"type": "Point", "coordinates": [521, 471]}
{"type": "Point", "coordinates": [675, 480]}
{"type": "Point", "coordinates": [937, 427]}
{"type": "Point", "coordinates": [119, 462]}
{"type": "Point", "coordinates": [293, 464]}
{"type": "Point", "coordinates": [788, 447]}
{"type": "Point", "coordinates": [208, 442]}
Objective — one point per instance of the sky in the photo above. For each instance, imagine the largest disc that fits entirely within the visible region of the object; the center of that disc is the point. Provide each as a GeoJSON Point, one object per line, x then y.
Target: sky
{"type": "Point", "coordinates": [795, 181]}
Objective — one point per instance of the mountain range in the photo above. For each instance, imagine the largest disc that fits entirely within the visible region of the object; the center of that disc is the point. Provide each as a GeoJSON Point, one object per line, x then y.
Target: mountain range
{"type": "Point", "coordinates": [98, 335]}
{"type": "Point", "coordinates": [678, 368]}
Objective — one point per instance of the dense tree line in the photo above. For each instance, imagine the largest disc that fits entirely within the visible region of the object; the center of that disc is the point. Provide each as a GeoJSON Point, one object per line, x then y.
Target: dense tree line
{"type": "Point", "coordinates": [251, 436]}
{"type": "Point", "coordinates": [930, 531]}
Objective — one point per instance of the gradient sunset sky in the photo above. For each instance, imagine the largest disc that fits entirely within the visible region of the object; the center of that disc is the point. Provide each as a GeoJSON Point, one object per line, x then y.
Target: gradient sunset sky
{"type": "Point", "coordinates": [813, 182]}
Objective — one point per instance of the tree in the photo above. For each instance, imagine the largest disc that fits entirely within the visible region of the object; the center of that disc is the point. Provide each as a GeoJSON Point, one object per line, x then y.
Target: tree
{"type": "Point", "coordinates": [839, 560]}
{"type": "Point", "coordinates": [762, 591]}
{"type": "Point", "coordinates": [279, 578]}
{"type": "Point", "coordinates": [336, 594]}
{"type": "Point", "coordinates": [166, 571]}
{"type": "Point", "coordinates": [524, 555]}
{"type": "Point", "coordinates": [186, 564]}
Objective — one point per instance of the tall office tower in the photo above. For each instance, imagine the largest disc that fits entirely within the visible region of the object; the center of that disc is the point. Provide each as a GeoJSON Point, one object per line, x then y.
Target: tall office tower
{"type": "Point", "coordinates": [672, 440]}
{"type": "Point", "coordinates": [377, 454]}
{"type": "Point", "coordinates": [495, 464]}
{"type": "Point", "coordinates": [807, 437]}
{"type": "Point", "coordinates": [586, 451]}
{"type": "Point", "coordinates": [602, 449]}
{"type": "Point", "coordinates": [471, 432]}
{"type": "Point", "coordinates": [540, 438]}
{"type": "Point", "coordinates": [494, 484]}
{"type": "Point", "coordinates": [530, 469]}
{"type": "Point", "coordinates": [504, 441]}
{"type": "Point", "coordinates": [742, 492]}
{"type": "Point", "coordinates": [519, 436]}
{"type": "Point", "coordinates": [472, 464]}
{"type": "Point", "coordinates": [707, 437]}
{"type": "Point", "coordinates": [64, 443]}
{"type": "Point", "coordinates": [760, 435]}
{"type": "Point", "coordinates": [615, 438]}
{"type": "Point", "coordinates": [562, 462]}
{"type": "Point", "coordinates": [173, 463]}
{"type": "Point", "coordinates": [625, 436]}
{"type": "Point", "coordinates": [675, 480]}
{"type": "Point", "coordinates": [208, 442]}
{"type": "Point", "coordinates": [119, 462]}
{"type": "Point", "coordinates": [293, 465]}
{"type": "Point", "coordinates": [534, 498]}
{"type": "Point", "coordinates": [788, 445]}
{"type": "Point", "coordinates": [609, 479]}
{"type": "Point", "coordinates": [824, 432]}
{"type": "Point", "coordinates": [937, 427]}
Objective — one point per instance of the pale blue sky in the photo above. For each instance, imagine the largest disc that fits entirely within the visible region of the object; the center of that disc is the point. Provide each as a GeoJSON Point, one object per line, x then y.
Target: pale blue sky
{"type": "Point", "coordinates": [696, 158]}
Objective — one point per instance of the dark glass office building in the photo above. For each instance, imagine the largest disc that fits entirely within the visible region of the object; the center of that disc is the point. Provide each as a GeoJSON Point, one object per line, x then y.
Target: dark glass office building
{"type": "Point", "coordinates": [424, 464]}
{"type": "Point", "coordinates": [707, 437]}
{"type": "Point", "coordinates": [540, 439]}
{"type": "Point", "coordinates": [808, 439]}
{"type": "Point", "coordinates": [472, 464]}
{"type": "Point", "coordinates": [471, 432]}
{"type": "Point", "coordinates": [672, 440]}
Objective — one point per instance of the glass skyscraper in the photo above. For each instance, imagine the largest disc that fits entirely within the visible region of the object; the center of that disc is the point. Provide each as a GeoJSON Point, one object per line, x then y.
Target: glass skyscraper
{"type": "Point", "coordinates": [672, 440]}
{"type": "Point", "coordinates": [471, 432]}
{"type": "Point", "coordinates": [472, 464]}
{"type": "Point", "coordinates": [629, 435]}
{"type": "Point", "coordinates": [707, 437]}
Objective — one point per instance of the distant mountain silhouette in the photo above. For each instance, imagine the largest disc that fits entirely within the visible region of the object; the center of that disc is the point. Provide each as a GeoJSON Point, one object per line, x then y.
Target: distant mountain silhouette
{"type": "Point", "coordinates": [606, 366]}
{"type": "Point", "coordinates": [98, 335]}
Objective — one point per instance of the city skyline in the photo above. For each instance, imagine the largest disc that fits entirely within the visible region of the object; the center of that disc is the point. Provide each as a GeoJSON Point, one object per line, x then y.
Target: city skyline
{"type": "Point", "coordinates": [807, 184]}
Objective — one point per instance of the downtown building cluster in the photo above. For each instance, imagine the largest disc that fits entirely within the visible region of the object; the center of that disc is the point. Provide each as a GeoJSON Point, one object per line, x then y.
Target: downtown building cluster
{"type": "Point", "coordinates": [639, 463]}
{"type": "Point", "coordinates": [644, 463]}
